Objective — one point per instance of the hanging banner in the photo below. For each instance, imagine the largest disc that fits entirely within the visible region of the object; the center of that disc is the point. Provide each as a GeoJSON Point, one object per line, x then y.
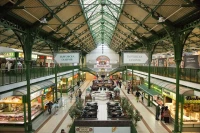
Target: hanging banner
{"type": "Point", "coordinates": [67, 57]}
{"type": "Point", "coordinates": [135, 58]}
{"type": "Point", "coordinates": [171, 62]}
{"type": "Point", "coordinates": [162, 62]}
{"type": "Point", "coordinates": [102, 66]}
{"type": "Point", "coordinates": [192, 61]}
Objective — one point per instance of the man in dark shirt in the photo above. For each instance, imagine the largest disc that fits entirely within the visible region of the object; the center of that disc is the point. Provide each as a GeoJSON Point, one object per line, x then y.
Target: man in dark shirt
{"type": "Point", "coordinates": [137, 95]}
{"type": "Point", "coordinates": [49, 104]}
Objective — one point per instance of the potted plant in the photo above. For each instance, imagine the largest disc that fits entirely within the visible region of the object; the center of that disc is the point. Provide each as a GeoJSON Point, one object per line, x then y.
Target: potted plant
{"type": "Point", "coordinates": [76, 110]}
{"type": "Point", "coordinates": [136, 117]}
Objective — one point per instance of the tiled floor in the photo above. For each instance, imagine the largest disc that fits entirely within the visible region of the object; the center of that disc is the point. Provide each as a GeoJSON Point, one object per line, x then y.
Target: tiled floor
{"type": "Point", "coordinates": [62, 120]}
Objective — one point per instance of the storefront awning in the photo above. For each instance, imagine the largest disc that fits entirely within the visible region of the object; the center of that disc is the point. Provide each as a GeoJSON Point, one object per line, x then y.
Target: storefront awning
{"type": "Point", "coordinates": [34, 88]}
{"type": "Point", "coordinates": [149, 91]}
{"type": "Point", "coordinates": [172, 87]}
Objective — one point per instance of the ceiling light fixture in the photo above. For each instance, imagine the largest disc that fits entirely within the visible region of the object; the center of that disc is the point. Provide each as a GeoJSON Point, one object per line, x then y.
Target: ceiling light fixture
{"type": "Point", "coordinates": [136, 38]}
{"type": "Point", "coordinates": [161, 20]}
{"type": "Point", "coordinates": [43, 21]}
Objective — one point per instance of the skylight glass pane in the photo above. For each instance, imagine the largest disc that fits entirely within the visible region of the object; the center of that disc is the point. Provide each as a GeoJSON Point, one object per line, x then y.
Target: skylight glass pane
{"type": "Point", "coordinates": [87, 2]}
{"type": "Point", "coordinates": [95, 20]}
{"type": "Point", "coordinates": [93, 28]}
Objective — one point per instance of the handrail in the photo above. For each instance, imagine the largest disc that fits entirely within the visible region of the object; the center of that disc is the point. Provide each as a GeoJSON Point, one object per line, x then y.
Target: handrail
{"type": "Point", "coordinates": [19, 75]}
{"type": "Point", "coordinates": [187, 74]}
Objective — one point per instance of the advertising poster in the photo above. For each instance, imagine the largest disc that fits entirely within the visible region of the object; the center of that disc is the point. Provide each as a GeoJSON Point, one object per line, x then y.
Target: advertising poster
{"type": "Point", "coordinates": [162, 62]}
{"type": "Point", "coordinates": [171, 62]}
{"type": "Point", "coordinates": [192, 61]}
{"type": "Point", "coordinates": [153, 62]}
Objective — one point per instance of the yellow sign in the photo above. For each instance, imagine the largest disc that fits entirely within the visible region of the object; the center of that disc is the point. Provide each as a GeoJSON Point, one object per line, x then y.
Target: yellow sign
{"type": "Point", "coordinates": [9, 54]}
{"type": "Point", "coordinates": [169, 94]}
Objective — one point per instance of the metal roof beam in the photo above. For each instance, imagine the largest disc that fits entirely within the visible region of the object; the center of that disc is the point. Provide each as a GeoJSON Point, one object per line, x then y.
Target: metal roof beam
{"type": "Point", "coordinates": [51, 13]}
{"type": "Point", "coordinates": [154, 14]}
{"type": "Point", "coordinates": [127, 15]}
{"type": "Point", "coordinates": [70, 20]}
{"type": "Point", "coordinates": [6, 39]}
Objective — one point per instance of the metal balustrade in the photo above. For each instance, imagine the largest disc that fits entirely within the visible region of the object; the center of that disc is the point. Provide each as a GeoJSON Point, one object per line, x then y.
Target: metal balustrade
{"type": "Point", "coordinates": [186, 74]}
{"type": "Point", "coordinates": [19, 75]}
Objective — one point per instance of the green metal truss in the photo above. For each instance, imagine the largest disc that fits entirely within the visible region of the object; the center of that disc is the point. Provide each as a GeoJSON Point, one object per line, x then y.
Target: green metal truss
{"type": "Point", "coordinates": [55, 16]}
{"type": "Point", "coordinates": [51, 14]}
{"type": "Point", "coordinates": [100, 19]}
{"type": "Point", "coordinates": [153, 13]}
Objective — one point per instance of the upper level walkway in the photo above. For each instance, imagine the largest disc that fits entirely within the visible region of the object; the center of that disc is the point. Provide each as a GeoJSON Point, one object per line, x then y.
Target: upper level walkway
{"type": "Point", "coordinates": [16, 75]}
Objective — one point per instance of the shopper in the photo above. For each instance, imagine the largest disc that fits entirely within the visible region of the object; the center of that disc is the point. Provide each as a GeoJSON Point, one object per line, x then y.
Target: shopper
{"type": "Point", "coordinates": [120, 83]}
{"type": "Point", "coordinates": [71, 96]}
{"type": "Point", "coordinates": [49, 105]}
{"type": "Point", "coordinates": [157, 111]}
{"type": "Point", "coordinates": [110, 96]}
{"type": "Point", "coordinates": [166, 115]}
{"type": "Point", "coordinates": [128, 87]}
{"type": "Point", "coordinates": [142, 97]}
{"type": "Point", "coordinates": [137, 94]}
{"type": "Point", "coordinates": [79, 93]}
{"type": "Point", "coordinates": [56, 106]}
{"type": "Point", "coordinates": [77, 96]}
{"type": "Point", "coordinates": [78, 83]}
{"type": "Point", "coordinates": [63, 131]}
{"type": "Point", "coordinates": [162, 112]}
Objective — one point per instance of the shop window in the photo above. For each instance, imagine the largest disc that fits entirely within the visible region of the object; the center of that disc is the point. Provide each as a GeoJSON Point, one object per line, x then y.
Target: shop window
{"type": "Point", "coordinates": [168, 100]}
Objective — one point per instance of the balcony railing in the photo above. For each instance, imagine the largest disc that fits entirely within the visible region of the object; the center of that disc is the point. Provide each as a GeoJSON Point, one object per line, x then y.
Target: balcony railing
{"type": "Point", "coordinates": [19, 75]}
{"type": "Point", "coordinates": [186, 74]}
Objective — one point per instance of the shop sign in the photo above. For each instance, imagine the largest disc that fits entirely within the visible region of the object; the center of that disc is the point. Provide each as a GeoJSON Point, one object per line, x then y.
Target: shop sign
{"type": "Point", "coordinates": [35, 94]}
{"type": "Point", "coordinates": [192, 99]}
{"type": "Point", "coordinates": [9, 54]}
{"type": "Point", "coordinates": [34, 56]}
{"type": "Point", "coordinates": [84, 129]}
{"type": "Point", "coordinates": [49, 58]}
{"type": "Point", "coordinates": [102, 66]}
{"type": "Point", "coordinates": [12, 99]}
{"type": "Point", "coordinates": [41, 57]}
{"type": "Point", "coordinates": [47, 90]}
{"type": "Point", "coordinates": [169, 94]}
{"type": "Point", "coordinates": [21, 55]}
{"type": "Point", "coordinates": [135, 58]}
{"type": "Point", "coordinates": [67, 57]}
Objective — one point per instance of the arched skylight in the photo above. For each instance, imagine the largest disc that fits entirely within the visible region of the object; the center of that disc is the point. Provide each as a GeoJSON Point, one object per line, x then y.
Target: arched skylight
{"type": "Point", "coordinates": [102, 16]}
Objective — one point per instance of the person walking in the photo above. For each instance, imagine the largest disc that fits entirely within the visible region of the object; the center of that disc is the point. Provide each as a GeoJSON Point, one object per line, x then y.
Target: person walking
{"type": "Point", "coordinates": [120, 83]}
{"type": "Point", "coordinates": [157, 111]}
{"type": "Point", "coordinates": [128, 87]}
{"type": "Point", "coordinates": [166, 115]}
{"type": "Point", "coordinates": [162, 112]}
{"type": "Point", "coordinates": [137, 94]}
{"type": "Point", "coordinates": [62, 131]}
{"type": "Point", "coordinates": [77, 96]}
{"type": "Point", "coordinates": [71, 96]}
{"type": "Point", "coordinates": [49, 105]}
{"type": "Point", "coordinates": [79, 93]}
{"type": "Point", "coordinates": [110, 96]}
{"type": "Point", "coordinates": [142, 97]}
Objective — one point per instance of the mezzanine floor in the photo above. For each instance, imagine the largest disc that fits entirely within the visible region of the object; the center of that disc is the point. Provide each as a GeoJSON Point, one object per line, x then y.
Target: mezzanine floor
{"type": "Point", "coordinates": [61, 119]}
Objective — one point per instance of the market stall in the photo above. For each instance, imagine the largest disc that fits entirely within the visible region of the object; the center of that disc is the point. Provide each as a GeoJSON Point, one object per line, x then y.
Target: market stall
{"type": "Point", "coordinates": [13, 108]}
{"type": "Point", "coordinates": [155, 96]}
{"type": "Point", "coordinates": [189, 114]}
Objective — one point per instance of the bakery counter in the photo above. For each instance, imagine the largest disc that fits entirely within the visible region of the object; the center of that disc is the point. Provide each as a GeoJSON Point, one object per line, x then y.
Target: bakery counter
{"type": "Point", "coordinates": [16, 118]}
{"type": "Point", "coordinates": [191, 127]}
{"type": "Point", "coordinates": [197, 124]}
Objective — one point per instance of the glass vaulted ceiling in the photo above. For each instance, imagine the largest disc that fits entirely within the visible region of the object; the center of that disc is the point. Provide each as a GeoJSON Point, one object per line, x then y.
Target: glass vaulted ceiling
{"type": "Point", "coordinates": [102, 16]}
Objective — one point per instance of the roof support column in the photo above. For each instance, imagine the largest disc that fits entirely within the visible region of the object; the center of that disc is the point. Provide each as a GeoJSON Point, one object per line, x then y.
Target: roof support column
{"type": "Point", "coordinates": [150, 50]}
{"type": "Point", "coordinates": [27, 40]}
{"type": "Point", "coordinates": [55, 49]}
{"type": "Point", "coordinates": [178, 39]}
